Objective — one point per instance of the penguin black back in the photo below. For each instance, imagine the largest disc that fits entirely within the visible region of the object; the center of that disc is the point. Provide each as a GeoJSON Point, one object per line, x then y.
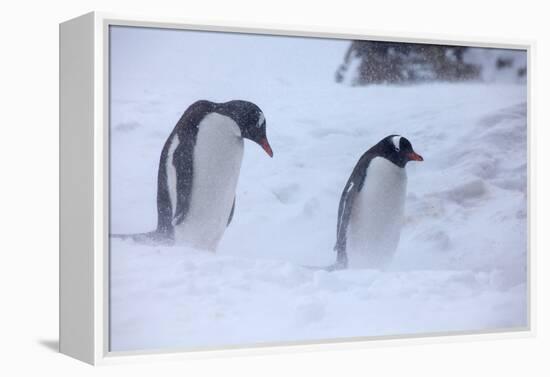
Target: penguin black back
{"type": "Point", "coordinates": [186, 130]}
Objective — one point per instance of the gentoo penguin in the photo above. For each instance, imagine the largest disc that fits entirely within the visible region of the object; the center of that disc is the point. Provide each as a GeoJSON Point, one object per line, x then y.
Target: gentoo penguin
{"type": "Point", "coordinates": [371, 206]}
{"type": "Point", "coordinates": [199, 169]}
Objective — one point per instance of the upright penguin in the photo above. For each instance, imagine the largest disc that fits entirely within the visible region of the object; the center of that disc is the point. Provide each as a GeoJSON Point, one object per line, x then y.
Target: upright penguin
{"type": "Point", "coordinates": [371, 205]}
{"type": "Point", "coordinates": [199, 169]}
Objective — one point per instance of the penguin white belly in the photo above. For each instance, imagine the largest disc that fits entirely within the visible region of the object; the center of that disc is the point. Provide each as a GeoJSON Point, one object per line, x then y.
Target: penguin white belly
{"type": "Point", "coordinates": [217, 161]}
{"type": "Point", "coordinates": [376, 217]}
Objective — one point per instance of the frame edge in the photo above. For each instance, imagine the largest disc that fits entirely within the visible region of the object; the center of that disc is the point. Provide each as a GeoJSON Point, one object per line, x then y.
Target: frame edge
{"type": "Point", "coordinates": [76, 195]}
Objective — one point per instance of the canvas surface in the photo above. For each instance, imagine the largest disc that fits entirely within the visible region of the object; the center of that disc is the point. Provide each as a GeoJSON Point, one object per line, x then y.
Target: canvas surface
{"type": "Point", "coordinates": [461, 260]}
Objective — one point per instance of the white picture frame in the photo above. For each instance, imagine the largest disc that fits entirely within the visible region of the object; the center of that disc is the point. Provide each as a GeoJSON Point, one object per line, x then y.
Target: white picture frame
{"type": "Point", "coordinates": [84, 187]}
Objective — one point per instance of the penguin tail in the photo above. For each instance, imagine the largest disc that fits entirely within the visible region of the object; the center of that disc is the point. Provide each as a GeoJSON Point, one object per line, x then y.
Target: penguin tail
{"type": "Point", "coordinates": [336, 266]}
{"type": "Point", "coordinates": [333, 267]}
{"type": "Point", "coordinates": [340, 264]}
{"type": "Point", "coordinates": [147, 238]}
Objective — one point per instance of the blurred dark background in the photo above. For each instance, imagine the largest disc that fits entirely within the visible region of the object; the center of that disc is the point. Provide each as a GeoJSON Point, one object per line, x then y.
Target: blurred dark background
{"type": "Point", "coordinates": [372, 62]}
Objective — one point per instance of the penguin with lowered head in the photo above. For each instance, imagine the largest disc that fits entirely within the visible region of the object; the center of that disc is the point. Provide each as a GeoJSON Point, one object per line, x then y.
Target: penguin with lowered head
{"type": "Point", "coordinates": [199, 170]}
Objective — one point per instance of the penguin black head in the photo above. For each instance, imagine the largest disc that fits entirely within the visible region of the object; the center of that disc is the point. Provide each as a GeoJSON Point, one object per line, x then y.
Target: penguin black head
{"type": "Point", "coordinates": [251, 121]}
{"type": "Point", "coordinates": [398, 150]}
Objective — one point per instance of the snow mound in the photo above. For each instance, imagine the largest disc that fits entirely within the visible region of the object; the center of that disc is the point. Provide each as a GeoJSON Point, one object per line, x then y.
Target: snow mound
{"type": "Point", "coordinates": [195, 299]}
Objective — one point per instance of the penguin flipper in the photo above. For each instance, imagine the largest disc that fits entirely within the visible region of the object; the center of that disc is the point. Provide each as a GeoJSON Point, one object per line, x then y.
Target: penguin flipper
{"type": "Point", "coordinates": [232, 212]}
{"type": "Point", "coordinates": [344, 214]}
{"type": "Point", "coordinates": [183, 162]}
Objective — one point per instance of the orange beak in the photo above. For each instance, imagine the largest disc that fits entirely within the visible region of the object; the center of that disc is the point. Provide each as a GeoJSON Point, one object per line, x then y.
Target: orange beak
{"type": "Point", "coordinates": [267, 148]}
{"type": "Point", "coordinates": [413, 156]}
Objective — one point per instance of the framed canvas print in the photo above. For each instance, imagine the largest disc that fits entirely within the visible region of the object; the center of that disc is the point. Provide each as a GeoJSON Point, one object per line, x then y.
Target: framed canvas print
{"type": "Point", "coordinates": [232, 189]}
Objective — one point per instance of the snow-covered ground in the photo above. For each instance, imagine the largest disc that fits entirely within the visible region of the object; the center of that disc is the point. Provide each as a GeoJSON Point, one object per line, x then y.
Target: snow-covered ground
{"type": "Point", "coordinates": [461, 262]}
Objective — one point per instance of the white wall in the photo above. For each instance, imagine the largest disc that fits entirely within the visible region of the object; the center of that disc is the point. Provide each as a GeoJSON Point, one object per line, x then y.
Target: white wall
{"type": "Point", "coordinates": [29, 144]}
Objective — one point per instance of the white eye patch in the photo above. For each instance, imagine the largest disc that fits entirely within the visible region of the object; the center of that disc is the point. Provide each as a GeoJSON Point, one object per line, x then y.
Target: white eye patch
{"type": "Point", "coordinates": [396, 140]}
{"type": "Point", "coordinates": [261, 120]}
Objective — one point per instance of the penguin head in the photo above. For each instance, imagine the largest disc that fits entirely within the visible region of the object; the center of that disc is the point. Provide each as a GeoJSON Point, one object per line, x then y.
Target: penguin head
{"type": "Point", "coordinates": [251, 121]}
{"type": "Point", "coordinates": [398, 150]}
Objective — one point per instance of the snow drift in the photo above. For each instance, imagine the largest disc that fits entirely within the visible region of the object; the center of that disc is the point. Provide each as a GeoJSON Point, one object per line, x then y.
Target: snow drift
{"type": "Point", "coordinates": [461, 261]}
